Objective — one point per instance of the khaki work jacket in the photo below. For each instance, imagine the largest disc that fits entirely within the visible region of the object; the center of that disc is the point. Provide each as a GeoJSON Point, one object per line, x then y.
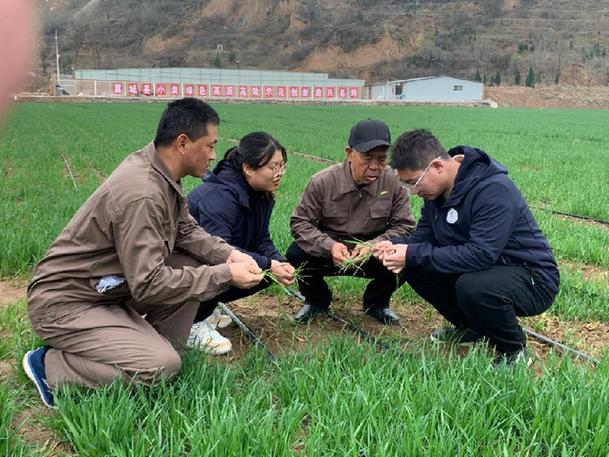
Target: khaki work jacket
{"type": "Point", "coordinates": [333, 209]}
{"type": "Point", "coordinates": [128, 228]}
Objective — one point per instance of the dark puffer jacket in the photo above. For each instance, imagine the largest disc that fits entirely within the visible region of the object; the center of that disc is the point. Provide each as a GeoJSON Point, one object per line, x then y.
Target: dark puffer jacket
{"type": "Point", "coordinates": [225, 205]}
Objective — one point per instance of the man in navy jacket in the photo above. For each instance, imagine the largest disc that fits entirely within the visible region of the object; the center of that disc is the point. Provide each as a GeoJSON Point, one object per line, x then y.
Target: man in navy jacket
{"type": "Point", "coordinates": [477, 254]}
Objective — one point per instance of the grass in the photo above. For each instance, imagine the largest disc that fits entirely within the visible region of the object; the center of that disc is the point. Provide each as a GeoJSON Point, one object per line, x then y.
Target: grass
{"type": "Point", "coordinates": [343, 399]}
{"type": "Point", "coordinates": [338, 397]}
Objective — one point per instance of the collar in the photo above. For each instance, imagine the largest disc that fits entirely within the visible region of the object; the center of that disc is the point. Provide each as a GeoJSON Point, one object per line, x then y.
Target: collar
{"type": "Point", "coordinates": [161, 168]}
{"type": "Point", "coordinates": [347, 184]}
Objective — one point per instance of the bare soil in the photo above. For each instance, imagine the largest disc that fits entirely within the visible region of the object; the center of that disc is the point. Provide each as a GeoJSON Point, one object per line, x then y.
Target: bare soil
{"type": "Point", "coordinates": [551, 96]}
{"type": "Point", "coordinates": [270, 318]}
{"type": "Point", "coordinates": [12, 290]}
{"type": "Point", "coordinates": [30, 424]}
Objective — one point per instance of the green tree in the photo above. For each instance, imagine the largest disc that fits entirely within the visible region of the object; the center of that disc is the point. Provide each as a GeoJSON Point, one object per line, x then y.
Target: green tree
{"type": "Point", "coordinates": [530, 81]}
{"type": "Point", "coordinates": [217, 61]}
{"type": "Point", "coordinates": [517, 76]}
{"type": "Point", "coordinates": [498, 79]}
{"type": "Point", "coordinates": [478, 76]}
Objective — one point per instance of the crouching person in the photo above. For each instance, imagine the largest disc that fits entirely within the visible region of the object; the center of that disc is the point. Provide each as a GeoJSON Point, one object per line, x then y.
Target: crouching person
{"type": "Point", "coordinates": [477, 254]}
{"type": "Point", "coordinates": [116, 293]}
{"type": "Point", "coordinates": [357, 200]}
{"type": "Point", "coordinates": [235, 202]}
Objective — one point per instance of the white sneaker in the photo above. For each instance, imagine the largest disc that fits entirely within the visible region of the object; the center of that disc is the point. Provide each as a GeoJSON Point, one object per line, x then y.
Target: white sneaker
{"type": "Point", "coordinates": [219, 320]}
{"type": "Point", "coordinates": [204, 337]}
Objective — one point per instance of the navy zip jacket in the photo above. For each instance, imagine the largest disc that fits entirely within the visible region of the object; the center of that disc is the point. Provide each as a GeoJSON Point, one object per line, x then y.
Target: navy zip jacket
{"type": "Point", "coordinates": [484, 222]}
{"type": "Point", "coordinates": [225, 205]}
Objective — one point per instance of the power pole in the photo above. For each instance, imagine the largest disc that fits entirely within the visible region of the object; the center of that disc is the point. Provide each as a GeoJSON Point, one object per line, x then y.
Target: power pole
{"type": "Point", "coordinates": [57, 58]}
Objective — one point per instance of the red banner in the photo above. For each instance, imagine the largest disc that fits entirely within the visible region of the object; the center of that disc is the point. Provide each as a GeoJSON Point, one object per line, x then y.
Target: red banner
{"type": "Point", "coordinates": [342, 92]}
{"type": "Point", "coordinates": [268, 91]}
{"type": "Point", "coordinates": [330, 92]}
{"type": "Point", "coordinates": [160, 89]}
{"type": "Point", "coordinates": [189, 90]}
{"type": "Point", "coordinates": [216, 90]}
{"type": "Point", "coordinates": [305, 92]}
{"type": "Point", "coordinates": [281, 92]}
{"type": "Point", "coordinates": [255, 91]}
{"type": "Point", "coordinates": [132, 89]}
{"type": "Point", "coordinates": [354, 92]}
{"type": "Point", "coordinates": [229, 91]}
{"type": "Point", "coordinates": [175, 89]}
{"type": "Point", "coordinates": [202, 90]}
{"type": "Point", "coordinates": [294, 92]}
{"type": "Point", "coordinates": [318, 92]}
{"type": "Point", "coordinates": [243, 92]}
{"type": "Point", "coordinates": [117, 88]}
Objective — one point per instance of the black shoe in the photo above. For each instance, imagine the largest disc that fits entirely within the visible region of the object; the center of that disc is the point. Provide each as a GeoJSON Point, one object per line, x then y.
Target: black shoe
{"type": "Point", "coordinates": [308, 312]}
{"type": "Point", "coordinates": [461, 336]}
{"type": "Point", "coordinates": [512, 359]}
{"type": "Point", "coordinates": [384, 315]}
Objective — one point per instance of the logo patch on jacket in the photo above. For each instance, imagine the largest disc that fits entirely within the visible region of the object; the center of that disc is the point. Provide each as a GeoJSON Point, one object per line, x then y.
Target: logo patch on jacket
{"type": "Point", "coordinates": [452, 216]}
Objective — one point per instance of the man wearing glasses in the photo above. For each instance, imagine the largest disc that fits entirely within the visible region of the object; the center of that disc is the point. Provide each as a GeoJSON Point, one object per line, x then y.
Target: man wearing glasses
{"type": "Point", "coordinates": [344, 211]}
{"type": "Point", "coordinates": [477, 254]}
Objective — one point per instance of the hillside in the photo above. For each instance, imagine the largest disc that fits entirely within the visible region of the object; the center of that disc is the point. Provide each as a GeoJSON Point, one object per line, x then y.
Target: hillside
{"type": "Point", "coordinates": [563, 41]}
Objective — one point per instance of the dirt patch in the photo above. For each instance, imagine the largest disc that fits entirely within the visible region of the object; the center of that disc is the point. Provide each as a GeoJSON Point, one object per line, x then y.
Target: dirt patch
{"type": "Point", "coordinates": [6, 369]}
{"type": "Point", "coordinates": [554, 96]}
{"type": "Point", "coordinates": [12, 290]}
{"type": "Point", "coordinates": [329, 58]}
{"type": "Point", "coordinates": [271, 319]}
{"type": "Point", "coordinates": [590, 272]}
{"type": "Point", "coordinates": [589, 337]}
{"type": "Point", "coordinates": [29, 424]}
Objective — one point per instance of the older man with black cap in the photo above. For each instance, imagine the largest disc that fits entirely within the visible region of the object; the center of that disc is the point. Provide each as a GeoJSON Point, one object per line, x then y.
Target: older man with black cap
{"type": "Point", "coordinates": [357, 200]}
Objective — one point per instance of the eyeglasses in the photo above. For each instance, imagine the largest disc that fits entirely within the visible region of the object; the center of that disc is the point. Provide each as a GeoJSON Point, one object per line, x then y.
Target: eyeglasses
{"type": "Point", "coordinates": [411, 187]}
{"type": "Point", "coordinates": [278, 169]}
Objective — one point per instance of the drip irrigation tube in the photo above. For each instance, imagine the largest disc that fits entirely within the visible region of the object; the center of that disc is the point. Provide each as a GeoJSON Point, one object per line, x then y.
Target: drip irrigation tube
{"type": "Point", "coordinates": [246, 331]}
{"type": "Point", "coordinates": [563, 347]}
{"type": "Point", "coordinates": [359, 331]}
{"type": "Point", "coordinates": [347, 323]}
{"type": "Point", "coordinates": [545, 339]}
{"type": "Point", "coordinates": [572, 215]}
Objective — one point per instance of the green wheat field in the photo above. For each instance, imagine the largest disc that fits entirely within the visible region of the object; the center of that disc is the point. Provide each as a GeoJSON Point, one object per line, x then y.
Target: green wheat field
{"type": "Point", "coordinates": [336, 396]}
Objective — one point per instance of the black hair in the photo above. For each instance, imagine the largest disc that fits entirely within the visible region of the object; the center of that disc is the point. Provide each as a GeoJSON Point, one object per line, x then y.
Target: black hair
{"type": "Point", "coordinates": [255, 149]}
{"type": "Point", "coordinates": [189, 116]}
{"type": "Point", "coordinates": [414, 149]}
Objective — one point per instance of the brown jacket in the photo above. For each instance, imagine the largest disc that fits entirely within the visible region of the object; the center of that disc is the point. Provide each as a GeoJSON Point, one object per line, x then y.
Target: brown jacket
{"type": "Point", "coordinates": [129, 227]}
{"type": "Point", "coordinates": [333, 209]}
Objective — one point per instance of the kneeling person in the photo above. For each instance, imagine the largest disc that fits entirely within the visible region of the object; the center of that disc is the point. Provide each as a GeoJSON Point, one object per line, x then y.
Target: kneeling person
{"type": "Point", "coordinates": [235, 202]}
{"type": "Point", "coordinates": [359, 199]}
{"type": "Point", "coordinates": [477, 254]}
{"type": "Point", "coordinates": [117, 291]}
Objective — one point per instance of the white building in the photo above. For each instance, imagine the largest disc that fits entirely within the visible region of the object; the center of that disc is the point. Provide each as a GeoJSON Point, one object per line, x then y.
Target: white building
{"type": "Point", "coordinates": [427, 89]}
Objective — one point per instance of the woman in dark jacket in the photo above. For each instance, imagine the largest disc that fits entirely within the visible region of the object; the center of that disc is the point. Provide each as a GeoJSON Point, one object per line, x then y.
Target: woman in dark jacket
{"type": "Point", "coordinates": [235, 202]}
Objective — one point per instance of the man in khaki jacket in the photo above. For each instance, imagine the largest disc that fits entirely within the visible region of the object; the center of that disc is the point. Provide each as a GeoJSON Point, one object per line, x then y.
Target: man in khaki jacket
{"type": "Point", "coordinates": [116, 293]}
{"type": "Point", "coordinates": [357, 200]}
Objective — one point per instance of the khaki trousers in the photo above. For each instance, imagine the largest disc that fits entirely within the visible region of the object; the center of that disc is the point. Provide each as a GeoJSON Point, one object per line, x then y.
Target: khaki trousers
{"type": "Point", "coordinates": [95, 344]}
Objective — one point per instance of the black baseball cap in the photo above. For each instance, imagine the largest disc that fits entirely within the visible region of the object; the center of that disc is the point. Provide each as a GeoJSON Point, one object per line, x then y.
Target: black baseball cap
{"type": "Point", "coordinates": [369, 134]}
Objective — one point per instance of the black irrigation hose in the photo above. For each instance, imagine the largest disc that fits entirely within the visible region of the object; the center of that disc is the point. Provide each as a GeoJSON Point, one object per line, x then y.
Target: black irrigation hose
{"type": "Point", "coordinates": [545, 339]}
{"type": "Point", "coordinates": [246, 331]}
{"type": "Point", "coordinates": [563, 347]}
{"type": "Point", "coordinates": [572, 215]}
{"type": "Point", "coordinates": [359, 331]}
{"type": "Point", "coordinates": [347, 323]}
